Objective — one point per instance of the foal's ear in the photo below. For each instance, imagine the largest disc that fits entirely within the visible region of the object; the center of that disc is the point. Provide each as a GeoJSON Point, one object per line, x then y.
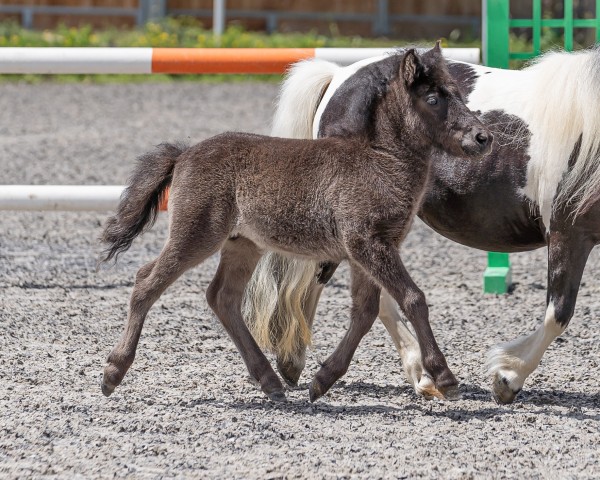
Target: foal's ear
{"type": "Point", "coordinates": [438, 47]}
{"type": "Point", "coordinates": [411, 67]}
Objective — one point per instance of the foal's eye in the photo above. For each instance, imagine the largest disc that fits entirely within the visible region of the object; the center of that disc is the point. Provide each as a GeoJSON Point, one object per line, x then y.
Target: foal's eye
{"type": "Point", "coordinates": [432, 100]}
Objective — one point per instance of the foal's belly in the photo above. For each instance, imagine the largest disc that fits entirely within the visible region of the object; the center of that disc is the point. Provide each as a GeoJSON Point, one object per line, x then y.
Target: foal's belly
{"type": "Point", "coordinates": [299, 238]}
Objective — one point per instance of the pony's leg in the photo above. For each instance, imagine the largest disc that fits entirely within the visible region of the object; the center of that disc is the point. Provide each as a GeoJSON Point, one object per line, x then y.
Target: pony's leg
{"type": "Point", "coordinates": [238, 260]}
{"type": "Point", "coordinates": [279, 304]}
{"type": "Point", "coordinates": [408, 348]}
{"type": "Point", "coordinates": [511, 363]}
{"type": "Point", "coordinates": [292, 364]}
{"type": "Point", "coordinates": [151, 281]}
{"type": "Point", "coordinates": [382, 261]}
{"type": "Point", "coordinates": [365, 306]}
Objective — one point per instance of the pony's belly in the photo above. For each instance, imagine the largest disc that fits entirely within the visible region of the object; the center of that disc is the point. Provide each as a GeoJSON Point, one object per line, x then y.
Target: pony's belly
{"type": "Point", "coordinates": [492, 233]}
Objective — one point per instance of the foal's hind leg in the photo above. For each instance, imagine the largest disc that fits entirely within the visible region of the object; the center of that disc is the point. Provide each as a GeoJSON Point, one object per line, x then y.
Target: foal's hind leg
{"type": "Point", "coordinates": [512, 362]}
{"type": "Point", "coordinates": [238, 260]}
{"type": "Point", "coordinates": [151, 281]}
{"type": "Point", "coordinates": [365, 305]}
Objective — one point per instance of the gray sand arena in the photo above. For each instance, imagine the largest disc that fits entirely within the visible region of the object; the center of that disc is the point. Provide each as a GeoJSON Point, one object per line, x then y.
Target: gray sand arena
{"type": "Point", "coordinates": [186, 408]}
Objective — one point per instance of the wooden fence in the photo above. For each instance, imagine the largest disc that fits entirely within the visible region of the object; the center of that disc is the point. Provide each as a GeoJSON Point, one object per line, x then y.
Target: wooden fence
{"type": "Point", "coordinates": [415, 19]}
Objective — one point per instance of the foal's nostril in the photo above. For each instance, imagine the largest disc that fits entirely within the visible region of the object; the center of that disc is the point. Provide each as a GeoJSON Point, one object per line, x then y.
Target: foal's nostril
{"type": "Point", "coordinates": [481, 138]}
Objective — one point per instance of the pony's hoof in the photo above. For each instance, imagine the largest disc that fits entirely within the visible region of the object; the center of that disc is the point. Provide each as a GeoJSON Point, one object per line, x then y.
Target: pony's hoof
{"type": "Point", "coordinates": [452, 393]}
{"type": "Point", "coordinates": [315, 391]}
{"type": "Point", "coordinates": [426, 388]}
{"type": "Point", "coordinates": [289, 373]}
{"type": "Point", "coordinates": [277, 396]}
{"type": "Point", "coordinates": [502, 392]}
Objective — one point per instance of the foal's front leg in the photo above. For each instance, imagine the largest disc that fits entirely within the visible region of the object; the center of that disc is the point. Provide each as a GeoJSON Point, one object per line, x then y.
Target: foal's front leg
{"type": "Point", "coordinates": [382, 261]}
{"type": "Point", "coordinates": [365, 305]}
{"type": "Point", "coordinates": [511, 363]}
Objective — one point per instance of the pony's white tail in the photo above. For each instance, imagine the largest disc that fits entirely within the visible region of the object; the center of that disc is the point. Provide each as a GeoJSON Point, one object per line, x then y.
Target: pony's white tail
{"type": "Point", "coordinates": [302, 90]}
{"type": "Point", "coordinates": [274, 298]}
{"type": "Point", "coordinates": [565, 143]}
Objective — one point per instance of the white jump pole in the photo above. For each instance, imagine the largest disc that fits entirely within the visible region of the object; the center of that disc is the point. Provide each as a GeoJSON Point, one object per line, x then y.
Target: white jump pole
{"type": "Point", "coordinates": [73, 60]}
{"type": "Point", "coordinates": [73, 198]}
{"type": "Point", "coordinates": [348, 56]}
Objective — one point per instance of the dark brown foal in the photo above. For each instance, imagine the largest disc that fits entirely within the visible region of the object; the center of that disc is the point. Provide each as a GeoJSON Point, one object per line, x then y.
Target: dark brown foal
{"type": "Point", "coordinates": [332, 199]}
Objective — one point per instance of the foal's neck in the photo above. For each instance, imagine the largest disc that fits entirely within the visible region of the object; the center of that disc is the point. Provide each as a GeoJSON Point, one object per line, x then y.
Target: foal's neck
{"type": "Point", "coordinates": [398, 130]}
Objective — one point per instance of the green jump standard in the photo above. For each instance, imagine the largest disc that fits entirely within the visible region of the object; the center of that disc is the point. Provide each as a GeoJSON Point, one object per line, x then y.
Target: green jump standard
{"type": "Point", "coordinates": [497, 277]}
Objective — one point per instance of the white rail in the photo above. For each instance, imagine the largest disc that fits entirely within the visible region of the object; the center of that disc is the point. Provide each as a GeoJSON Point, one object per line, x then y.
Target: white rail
{"type": "Point", "coordinates": [74, 198]}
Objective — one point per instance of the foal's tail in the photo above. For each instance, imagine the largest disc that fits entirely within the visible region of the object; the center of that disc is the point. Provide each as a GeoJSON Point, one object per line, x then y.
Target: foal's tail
{"type": "Point", "coordinates": [141, 199]}
{"type": "Point", "coordinates": [277, 292]}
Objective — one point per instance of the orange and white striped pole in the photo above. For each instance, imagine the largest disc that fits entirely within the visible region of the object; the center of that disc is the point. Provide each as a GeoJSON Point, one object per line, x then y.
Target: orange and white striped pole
{"type": "Point", "coordinates": [75, 60]}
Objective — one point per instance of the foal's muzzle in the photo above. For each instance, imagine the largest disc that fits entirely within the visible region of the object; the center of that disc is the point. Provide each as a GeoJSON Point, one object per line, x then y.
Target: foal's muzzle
{"type": "Point", "coordinates": [477, 141]}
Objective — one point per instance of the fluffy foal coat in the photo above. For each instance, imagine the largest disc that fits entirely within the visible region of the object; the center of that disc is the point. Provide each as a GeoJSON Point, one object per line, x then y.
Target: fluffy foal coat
{"type": "Point", "coordinates": [332, 199]}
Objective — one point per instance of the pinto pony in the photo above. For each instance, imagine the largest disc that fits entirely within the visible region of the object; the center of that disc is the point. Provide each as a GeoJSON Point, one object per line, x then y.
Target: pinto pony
{"type": "Point", "coordinates": [348, 197]}
{"type": "Point", "coordinates": [540, 186]}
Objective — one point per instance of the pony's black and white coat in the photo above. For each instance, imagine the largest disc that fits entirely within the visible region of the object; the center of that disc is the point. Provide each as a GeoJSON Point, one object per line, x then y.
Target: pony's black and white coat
{"type": "Point", "coordinates": [542, 177]}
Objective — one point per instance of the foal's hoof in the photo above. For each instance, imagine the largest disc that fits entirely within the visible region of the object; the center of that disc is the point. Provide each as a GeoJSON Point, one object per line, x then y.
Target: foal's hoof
{"type": "Point", "coordinates": [315, 391]}
{"type": "Point", "coordinates": [502, 391]}
{"type": "Point", "coordinates": [106, 389]}
{"type": "Point", "coordinates": [277, 396]}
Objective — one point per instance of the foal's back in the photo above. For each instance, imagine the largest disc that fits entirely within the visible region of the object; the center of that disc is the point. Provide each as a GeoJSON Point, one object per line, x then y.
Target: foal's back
{"type": "Point", "coordinates": [285, 194]}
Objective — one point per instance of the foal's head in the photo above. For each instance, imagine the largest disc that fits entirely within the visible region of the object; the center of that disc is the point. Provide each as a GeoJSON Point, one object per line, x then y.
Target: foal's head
{"type": "Point", "coordinates": [439, 112]}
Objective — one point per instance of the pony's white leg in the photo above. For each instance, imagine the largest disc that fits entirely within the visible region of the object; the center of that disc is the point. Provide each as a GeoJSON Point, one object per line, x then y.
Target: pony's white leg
{"type": "Point", "coordinates": [407, 347]}
{"type": "Point", "coordinates": [512, 362]}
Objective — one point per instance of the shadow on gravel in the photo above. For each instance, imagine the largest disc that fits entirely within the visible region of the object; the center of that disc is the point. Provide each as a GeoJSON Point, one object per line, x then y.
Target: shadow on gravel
{"type": "Point", "coordinates": [454, 411]}
{"type": "Point", "coordinates": [321, 408]}
{"type": "Point", "coordinates": [575, 400]}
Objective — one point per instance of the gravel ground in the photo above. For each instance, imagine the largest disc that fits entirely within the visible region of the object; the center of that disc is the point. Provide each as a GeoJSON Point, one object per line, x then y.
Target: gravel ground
{"type": "Point", "coordinates": [186, 408]}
